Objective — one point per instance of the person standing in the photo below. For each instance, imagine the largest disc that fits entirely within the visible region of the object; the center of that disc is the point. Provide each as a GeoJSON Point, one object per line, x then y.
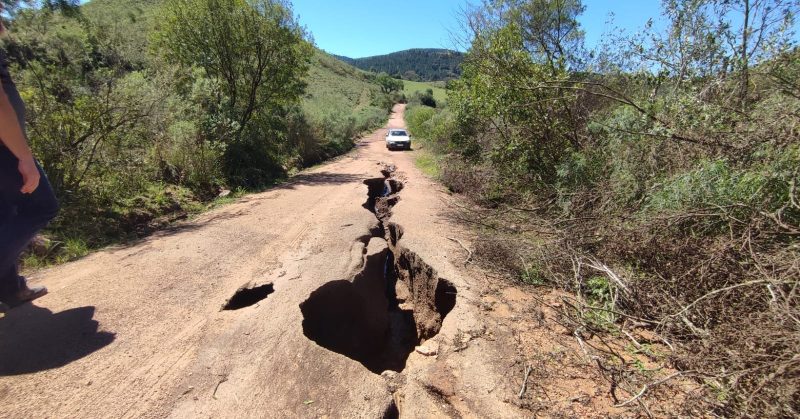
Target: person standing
{"type": "Point", "coordinates": [27, 202]}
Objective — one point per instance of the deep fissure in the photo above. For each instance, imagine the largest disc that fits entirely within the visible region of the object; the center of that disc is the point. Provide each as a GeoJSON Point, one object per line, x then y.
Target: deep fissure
{"type": "Point", "coordinates": [247, 296]}
{"type": "Point", "coordinates": [392, 305]}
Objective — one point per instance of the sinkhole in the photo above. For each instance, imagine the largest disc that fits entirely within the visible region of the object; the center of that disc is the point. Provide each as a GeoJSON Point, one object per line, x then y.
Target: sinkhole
{"type": "Point", "coordinates": [392, 305]}
{"type": "Point", "coordinates": [247, 296]}
{"type": "Point", "coordinates": [377, 318]}
{"type": "Point", "coordinates": [362, 319]}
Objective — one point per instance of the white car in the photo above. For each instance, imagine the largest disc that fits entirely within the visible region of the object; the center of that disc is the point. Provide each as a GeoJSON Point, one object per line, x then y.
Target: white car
{"type": "Point", "coordinates": [398, 138]}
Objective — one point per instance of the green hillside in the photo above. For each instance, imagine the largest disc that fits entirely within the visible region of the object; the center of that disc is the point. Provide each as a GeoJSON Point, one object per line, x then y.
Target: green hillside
{"type": "Point", "coordinates": [336, 88]}
{"type": "Point", "coordinates": [420, 64]}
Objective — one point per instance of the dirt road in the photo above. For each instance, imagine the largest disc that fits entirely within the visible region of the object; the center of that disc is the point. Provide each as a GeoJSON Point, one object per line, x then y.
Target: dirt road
{"type": "Point", "coordinates": [139, 330]}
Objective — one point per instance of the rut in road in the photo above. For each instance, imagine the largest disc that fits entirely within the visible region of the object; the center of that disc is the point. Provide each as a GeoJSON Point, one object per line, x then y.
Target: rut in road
{"type": "Point", "coordinates": [392, 305]}
{"type": "Point", "coordinates": [248, 295]}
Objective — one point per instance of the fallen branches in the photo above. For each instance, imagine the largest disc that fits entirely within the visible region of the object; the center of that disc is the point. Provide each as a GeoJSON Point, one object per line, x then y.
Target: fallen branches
{"type": "Point", "coordinates": [524, 388]}
{"type": "Point", "coordinates": [469, 252]}
{"type": "Point", "coordinates": [649, 386]}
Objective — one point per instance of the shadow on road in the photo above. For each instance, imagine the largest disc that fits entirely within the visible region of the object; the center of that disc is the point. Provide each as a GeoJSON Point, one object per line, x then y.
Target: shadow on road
{"type": "Point", "coordinates": [319, 178]}
{"type": "Point", "coordinates": [35, 339]}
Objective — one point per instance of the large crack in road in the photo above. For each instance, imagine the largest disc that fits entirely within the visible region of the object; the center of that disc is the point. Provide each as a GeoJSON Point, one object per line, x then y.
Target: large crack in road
{"type": "Point", "coordinates": [396, 301]}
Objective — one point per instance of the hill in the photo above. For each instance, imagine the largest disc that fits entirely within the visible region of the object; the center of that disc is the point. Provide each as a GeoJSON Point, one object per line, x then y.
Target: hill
{"type": "Point", "coordinates": [421, 64]}
{"type": "Point", "coordinates": [333, 87]}
{"type": "Point", "coordinates": [337, 88]}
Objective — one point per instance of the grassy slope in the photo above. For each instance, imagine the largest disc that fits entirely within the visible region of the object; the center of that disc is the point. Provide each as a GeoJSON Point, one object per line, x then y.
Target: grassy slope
{"type": "Point", "coordinates": [335, 87]}
{"type": "Point", "coordinates": [416, 86]}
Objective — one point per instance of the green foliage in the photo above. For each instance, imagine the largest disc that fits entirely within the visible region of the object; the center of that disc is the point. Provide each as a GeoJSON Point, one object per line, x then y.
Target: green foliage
{"type": "Point", "coordinates": [599, 294]}
{"type": "Point", "coordinates": [550, 29]}
{"type": "Point", "coordinates": [423, 98]}
{"type": "Point", "coordinates": [73, 249]}
{"type": "Point", "coordinates": [388, 84]}
{"type": "Point", "coordinates": [431, 129]}
{"type": "Point", "coordinates": [416, 119]}
{"type": "Point", "coordinates": [414, 64]}
{"type": "Point", "coordinates": [74, 125]}
{"type": "Point", "coordinates": [532, 274]}
{"type": "Point", "coordinates": [531, 139]}
{"type": "Point", "coordinates": [134, 136]}
{"type": "Point", "coordinates": [429, 163]}
{"type": "Point", "coordinates": [727, 192]}
{"type": "Point", "coordinates": [434, 126]}
{"type": "Point", "coordinates": [256, 53]}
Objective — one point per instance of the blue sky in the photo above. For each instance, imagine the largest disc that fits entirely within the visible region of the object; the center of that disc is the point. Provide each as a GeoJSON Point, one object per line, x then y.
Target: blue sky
{"type": "Point", "coordinates": [361, 28]}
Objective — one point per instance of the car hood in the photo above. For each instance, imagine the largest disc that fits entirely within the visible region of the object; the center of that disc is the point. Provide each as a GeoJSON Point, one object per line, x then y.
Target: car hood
{"type": "Point", "coordinates": [398, 139]}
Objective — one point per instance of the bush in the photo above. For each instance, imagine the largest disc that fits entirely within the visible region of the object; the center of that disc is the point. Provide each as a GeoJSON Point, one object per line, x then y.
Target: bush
{"type": "Point", "coordinates": [416, 119]}
{"type": "Point", "coordinates": [423, 98]}
{"type": "Point", "coordinates": [669, 198]}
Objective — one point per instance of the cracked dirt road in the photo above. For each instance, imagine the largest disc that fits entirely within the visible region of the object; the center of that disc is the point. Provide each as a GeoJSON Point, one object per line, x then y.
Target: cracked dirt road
{"type": "Point", "coordinates": [138, 330]}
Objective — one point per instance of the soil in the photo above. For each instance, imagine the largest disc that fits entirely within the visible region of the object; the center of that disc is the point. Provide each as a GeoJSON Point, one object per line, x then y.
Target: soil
{"type": "Point", "coordinates": [334, 295]}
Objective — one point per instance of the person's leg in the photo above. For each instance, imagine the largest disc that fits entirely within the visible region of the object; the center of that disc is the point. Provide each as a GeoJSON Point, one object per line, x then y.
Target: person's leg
{"type": "Point", "coordinates": [21, 217]}
{"type": "Point", "coordinates": [11, 283]}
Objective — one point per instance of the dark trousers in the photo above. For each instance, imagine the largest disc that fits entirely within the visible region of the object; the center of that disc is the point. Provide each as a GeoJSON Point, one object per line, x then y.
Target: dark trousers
{"type": "Point", "coordinates": [21, 217]}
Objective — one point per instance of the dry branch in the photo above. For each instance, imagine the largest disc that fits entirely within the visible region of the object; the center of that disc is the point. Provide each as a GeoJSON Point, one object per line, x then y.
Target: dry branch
{"type": "Point", "coordinates": [649, 386]}
{"type": "Point", "coordinates": [469, 252]}
{"type": "Point", "coordinates": [524, 388]}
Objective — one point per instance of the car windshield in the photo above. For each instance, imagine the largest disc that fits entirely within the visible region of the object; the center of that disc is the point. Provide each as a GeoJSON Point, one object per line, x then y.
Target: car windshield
{"type": "Point", "coordinates": [399, 134]}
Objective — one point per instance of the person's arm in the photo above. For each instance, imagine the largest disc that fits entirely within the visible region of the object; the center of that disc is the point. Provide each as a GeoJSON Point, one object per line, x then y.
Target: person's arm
{"type": "Point", "coordinates": [12, 136]}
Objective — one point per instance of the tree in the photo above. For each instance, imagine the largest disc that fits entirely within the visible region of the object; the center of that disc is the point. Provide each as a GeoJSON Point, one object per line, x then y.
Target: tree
{"type": "Point", "coordinates": [715, 38]}
{"type": "Point", "coordinates": [549, 29]}
{"type": "Point", "coordinates": [68, 7]}
{"type": "Point", "coordinates": [766, 29]}
{"type": "Point", "coordinates": [85, 115]}
{"type": "Point", "coordinates": [389, 84]}
{"type": "Point", "coordinates": [254, 47]}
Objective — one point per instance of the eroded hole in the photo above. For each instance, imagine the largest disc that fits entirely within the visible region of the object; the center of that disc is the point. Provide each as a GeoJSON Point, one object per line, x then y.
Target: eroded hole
{"type": "Point", "coordinates": [382, 195]}
{"type": "Point", "coordinates": [394, 185]}
{"type": "Point", "coordinates": [376, 188]}
{"type": "Point", "coordinates": [361, 319]}
{"type": "Point", "coordinates": [392, 412]}
{"type": "Point", "coordinates": [445, 298]}
{"type": "Point", "coordinates": [369, 320]}
{"type": "Point", "coordinates": [395, 233]}
{"type": "Point", "coordinates": [431, 297]}
{"type": "Point", "coordinates": [375, 231]}
{"type": "Point", "coordinates": [391, 306]}
{"type": "Point", "coordinates": [248, 296]}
